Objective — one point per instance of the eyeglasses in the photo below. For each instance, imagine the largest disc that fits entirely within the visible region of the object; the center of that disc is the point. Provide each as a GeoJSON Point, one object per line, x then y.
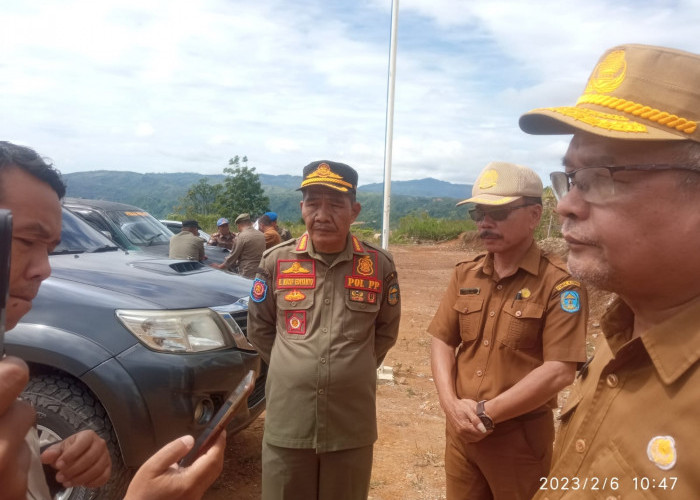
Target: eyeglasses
{"type": "Point", "coordinates": [498, 215]}
{"type": "Point", "coordinates": [596, 184]}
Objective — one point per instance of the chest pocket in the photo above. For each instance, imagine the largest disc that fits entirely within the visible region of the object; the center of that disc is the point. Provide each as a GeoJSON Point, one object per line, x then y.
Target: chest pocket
{"type": "Point", "coordinates": [522, 324]}
{"type": "Point", "coordinates": [294, 313]}
{"type": "Point", "coordinates": [358, 320]}
{"type": "Point", "coordinates": [470, 313]}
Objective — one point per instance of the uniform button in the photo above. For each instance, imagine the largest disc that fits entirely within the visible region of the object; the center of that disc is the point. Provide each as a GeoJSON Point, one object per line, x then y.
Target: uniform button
{"type": "Point", "coordinates": [294, 303]}
{"type": "Point", "coordinates": [486, 343]}
{"type": "Point", "coordinates": [580, 445]}
{"type": "Point", "coordinates": [612, 380]}
{"type": "Point", "coordinates": [323, 361]}
{"type": "Point", "coordinates": [466, 310]}
{"type": "Point", "coordinates": [363, 306]}
{"type": "Point", "coordinates": [324, 330]}
{"type": "Point", "coordinates": [479, 373]}
{"type": "Point", "coordinates": [327, 301]}
{"type": "Point", "coordinates": [492, 314]}
{"type": "Point", "coordinates": [518, 314]}
{"type": "Point", "coordinates": [320, 391]}
{"type": "Point", "coordinates": [499, 287]}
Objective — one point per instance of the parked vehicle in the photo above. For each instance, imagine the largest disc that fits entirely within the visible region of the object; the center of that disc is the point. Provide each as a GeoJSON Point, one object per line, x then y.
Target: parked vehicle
{"type": "Point", "coordinates": [140, 349]}
{"type": "Point", "coordinates": [214, 253]}
{"type": "Point", "coordinates": [132, 228]}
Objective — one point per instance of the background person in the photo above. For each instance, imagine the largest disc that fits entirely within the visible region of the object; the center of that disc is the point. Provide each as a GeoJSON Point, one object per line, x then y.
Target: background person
{"type": "Point", "coordinates": [223, 237]}
{"type": "Point", "coordinates": [629, 200]}
{"type": "Point", "coordinates": [187, 244]}
{"type": "Point", "coordinates": [247, 251]}
{"type": "Point", "coordinates": [272, 237]}
{"type": "Point", "coordinates": [506, 339]}
{"type": "Point", "coordinates": [81, 459]}
{"type": "Point", "coordinates": [324, 312]}
{"type": "Point", "coordinates": [282, 231]}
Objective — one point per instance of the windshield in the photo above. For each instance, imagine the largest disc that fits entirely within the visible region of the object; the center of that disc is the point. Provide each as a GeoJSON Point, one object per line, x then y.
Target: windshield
{"type": "Point", "coordinates": [77, 236]}
{"type": "Point", "coordinates": [141, 228]}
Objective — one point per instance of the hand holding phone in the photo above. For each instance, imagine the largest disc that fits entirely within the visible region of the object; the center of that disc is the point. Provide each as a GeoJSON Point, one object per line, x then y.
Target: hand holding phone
{"type": "Point", "coordinates": [222, 418]}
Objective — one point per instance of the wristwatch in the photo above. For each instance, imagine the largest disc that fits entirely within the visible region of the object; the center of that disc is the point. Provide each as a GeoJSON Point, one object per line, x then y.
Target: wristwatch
{"type": "Point", "coordinates": [485, 419]}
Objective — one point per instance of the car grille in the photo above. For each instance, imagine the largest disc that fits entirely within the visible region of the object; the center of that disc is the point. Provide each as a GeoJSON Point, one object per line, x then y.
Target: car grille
{"type": "Point", "coordinates": [241, 318]}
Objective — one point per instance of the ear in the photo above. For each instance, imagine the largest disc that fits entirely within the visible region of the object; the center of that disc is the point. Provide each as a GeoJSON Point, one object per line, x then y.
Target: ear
{"type": "Point", "coordinates": [536, 211]}
{"type": "Point", "coordinates": [356, 209]}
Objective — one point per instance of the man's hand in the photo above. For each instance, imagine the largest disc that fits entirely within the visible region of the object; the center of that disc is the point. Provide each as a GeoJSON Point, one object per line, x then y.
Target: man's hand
{"type": "Point", "coordinates": [160, 478]}
{"type": "Point", "coordinates": [16, 418]}
{"type": "Point", "coordinates": [462, 418]}
{"type": "Point", "coordinates": [80, 460]}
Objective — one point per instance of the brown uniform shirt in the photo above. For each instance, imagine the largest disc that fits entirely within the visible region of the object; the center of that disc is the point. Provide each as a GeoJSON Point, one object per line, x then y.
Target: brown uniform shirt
{"type": "Point", "coordinates": [630, 425]}
{"type": "Point", "coordinates": [246, 253]}
{"type": "Point", "coordinates": [323, 329]}
{"type": "Point", "coordinates": [272, 237]}
{"type": "Point", "coordinates": [222, 240]}
{"type": "Point", "coordinates": [506, 328]}
{"type": "Point", "coordinates": [185, 245]}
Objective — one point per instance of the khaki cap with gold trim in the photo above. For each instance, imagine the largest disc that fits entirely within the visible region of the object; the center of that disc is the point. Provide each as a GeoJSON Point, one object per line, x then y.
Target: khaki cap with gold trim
{"type": "Point", "coordinates": [501, 183]}
{"type": "Point", "coordinates": [637, 92]}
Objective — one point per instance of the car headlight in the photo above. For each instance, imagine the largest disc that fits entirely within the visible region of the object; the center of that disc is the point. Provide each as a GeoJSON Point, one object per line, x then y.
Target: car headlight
{"type": "Point", "coordinates": [189, 330]}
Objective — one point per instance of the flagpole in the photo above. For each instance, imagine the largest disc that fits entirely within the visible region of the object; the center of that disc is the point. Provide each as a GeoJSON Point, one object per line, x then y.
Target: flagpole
{"type": "Point", "coordinates": [389, 132]}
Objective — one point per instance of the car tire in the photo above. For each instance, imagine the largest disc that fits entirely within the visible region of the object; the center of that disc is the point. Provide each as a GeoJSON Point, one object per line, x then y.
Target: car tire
{"type": "Point", "coordinates": [64, 406]}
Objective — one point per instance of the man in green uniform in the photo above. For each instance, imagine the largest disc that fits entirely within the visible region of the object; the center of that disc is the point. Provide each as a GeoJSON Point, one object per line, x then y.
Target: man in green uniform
{"type": "Point", "coordinates": [629, 198]}
{"type": "Point", "coordinates": [187, 244]}
{"type": "Point", "coordinates": [324, 311]}
{"type": "Point", "coordinates": [506, 339]}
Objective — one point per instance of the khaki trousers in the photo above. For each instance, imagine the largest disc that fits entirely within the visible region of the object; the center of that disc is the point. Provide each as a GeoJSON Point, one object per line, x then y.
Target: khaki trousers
{"type": "Point", "coordinates": [303, 474]}
{"type": "Point", "coordinates": [506, 465]}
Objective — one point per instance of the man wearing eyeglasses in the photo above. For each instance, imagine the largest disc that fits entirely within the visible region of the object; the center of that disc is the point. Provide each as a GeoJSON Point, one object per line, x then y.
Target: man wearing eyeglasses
{"type": "Point", "coordinates": [507, 336]}
{"type": "Point", "coordinates": [630, 203]}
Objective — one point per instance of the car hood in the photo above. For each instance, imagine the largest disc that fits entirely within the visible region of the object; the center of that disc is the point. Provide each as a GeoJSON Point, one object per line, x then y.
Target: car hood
{"type": "Point", "coordinates": [155, 283]}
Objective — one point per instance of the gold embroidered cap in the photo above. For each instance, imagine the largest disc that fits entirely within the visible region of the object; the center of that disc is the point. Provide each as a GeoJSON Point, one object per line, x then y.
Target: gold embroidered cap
{"type": "Point", "coordinates": [501, 183]}
{"type": "Point", "coordinates": [638, 92]}
{"type": "Point", "coordinates": [334, 175]}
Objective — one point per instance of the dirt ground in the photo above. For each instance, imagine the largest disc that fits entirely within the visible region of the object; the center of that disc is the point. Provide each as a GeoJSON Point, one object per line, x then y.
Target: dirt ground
{"type": "Point", "coordinates": [408, 457]}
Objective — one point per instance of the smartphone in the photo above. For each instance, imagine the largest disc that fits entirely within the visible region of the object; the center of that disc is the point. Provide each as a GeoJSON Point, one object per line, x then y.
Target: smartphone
{"type": "Point", "coordinates": [5, 250]}
{"type": "Point", "coordinates": [222, 418]}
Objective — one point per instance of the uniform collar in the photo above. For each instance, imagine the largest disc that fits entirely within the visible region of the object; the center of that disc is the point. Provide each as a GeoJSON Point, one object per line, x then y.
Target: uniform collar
{"type": "Point", "coordinates": [352, 246]}
{"type": "Point", "coordinates": [673, 346]}
{"type": "Point", "coordinates": [529, 262]}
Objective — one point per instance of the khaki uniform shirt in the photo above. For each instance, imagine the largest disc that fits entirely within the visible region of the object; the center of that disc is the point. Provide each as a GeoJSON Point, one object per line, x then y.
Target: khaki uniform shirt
{"type": "Point", "coordinates": [506, 328]}
{"type": "Point", "coordinates": [323, 329]}
{"type": "Point", "coordinates": [185, 245]}
{"type": "Point", "coordinates": [284, 233]}
{"type": "Point", "coordinates": [630, 425]}
{"type": "Point", "coordinates": [246, 253]}
{"type": "Point", "coordinates": [272, 237]}
{"type": "Point", "coordinates": [222, 240]}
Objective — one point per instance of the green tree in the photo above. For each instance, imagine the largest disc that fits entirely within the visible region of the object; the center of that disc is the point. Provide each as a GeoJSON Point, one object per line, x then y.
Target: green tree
{"type": "Point", "coordinates": [242, 190]}
{"type": "Point", "coordinates": [200, 199]}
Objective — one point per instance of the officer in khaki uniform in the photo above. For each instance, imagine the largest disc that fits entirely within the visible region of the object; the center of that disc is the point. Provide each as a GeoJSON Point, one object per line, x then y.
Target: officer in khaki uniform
{"type": "Point", "coordinates": [324, 311]}
{"type": "Point", "coordinates": [630, 203]}
{"type": "Point", "coordinates": [223, 237]}
{"type": "Point", "coordinates": [187, 244]}
{"type": "Point", "coordinates": [247, 249]}
{"type": "Point", "coordinates": [507, 336]}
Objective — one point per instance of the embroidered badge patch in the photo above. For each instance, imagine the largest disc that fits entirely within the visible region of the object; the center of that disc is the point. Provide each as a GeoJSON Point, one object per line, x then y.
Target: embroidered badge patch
{"type": "Point", "coordinates": [294, 274]}
{"type": "Point", "coordinates": [363, 296]}
{"type": "Point", "coordinates": [566, 283]}
{"type": "Point", "coordinates": [393, 295]}
{"type": "Point", "coordinates": [661, 450]}
{"type": "Point", "coordinates": [570, 301]}
{"type": "Point", "coordinates": [296, 322]}
{"type": "Point", "coordinates": [259, 290]}
{"type": "Point", "coordinates": [294, 296]}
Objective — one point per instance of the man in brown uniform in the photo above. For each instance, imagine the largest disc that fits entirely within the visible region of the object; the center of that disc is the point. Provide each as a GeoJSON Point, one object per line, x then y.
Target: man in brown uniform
{"type": "Point", "coordinates": [324, 311]}
{"type": "Point", "coordinates": [247, 251]}
{"type": "Point", "coordinates": [506, 339]}
{"type": "Point", "coordinates": [272, 237]}
{"type": "Point", "coordinates": [223, 237]}
{"type": "Point", "coordinates": [187, 244]}
{"type": "Point", "coordinates": [630, 203]}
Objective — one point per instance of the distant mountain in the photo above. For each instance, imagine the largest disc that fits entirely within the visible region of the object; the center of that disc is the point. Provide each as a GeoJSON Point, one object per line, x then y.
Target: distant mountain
{"type": "Point", "coordinates": [159, 194]}
{"type": "Point", "coordinates": [428, 187]}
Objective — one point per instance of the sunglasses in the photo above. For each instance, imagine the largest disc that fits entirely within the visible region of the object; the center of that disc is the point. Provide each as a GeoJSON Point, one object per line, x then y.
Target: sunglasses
{"type": "Point", "coordinates": [498, 215]}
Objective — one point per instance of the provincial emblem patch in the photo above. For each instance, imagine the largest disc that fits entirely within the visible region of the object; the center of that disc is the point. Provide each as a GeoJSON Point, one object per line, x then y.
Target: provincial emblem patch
{"type": "Point", "coordinates": [393, 295]}
{"type": "Point", "coordinates": [259, 290]}
{"type": "Point", "coordinates": [570, 301]}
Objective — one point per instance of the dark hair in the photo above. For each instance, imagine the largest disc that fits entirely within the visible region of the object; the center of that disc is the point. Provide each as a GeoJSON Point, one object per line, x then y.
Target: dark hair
{"type": "Point", "coordinates": [12, 155]}
{"type": "Point", "coordinates": [265, 220]}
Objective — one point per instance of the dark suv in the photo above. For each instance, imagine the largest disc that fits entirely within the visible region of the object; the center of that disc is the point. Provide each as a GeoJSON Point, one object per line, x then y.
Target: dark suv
{"type": "Point", "coordinates": [140, 349]}
{"type": "Point", "coordinates": [132, 228]}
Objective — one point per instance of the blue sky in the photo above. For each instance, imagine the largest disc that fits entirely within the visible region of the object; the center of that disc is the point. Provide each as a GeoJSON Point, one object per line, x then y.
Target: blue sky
{"type": "Point", "coordinates": [184, 85]}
